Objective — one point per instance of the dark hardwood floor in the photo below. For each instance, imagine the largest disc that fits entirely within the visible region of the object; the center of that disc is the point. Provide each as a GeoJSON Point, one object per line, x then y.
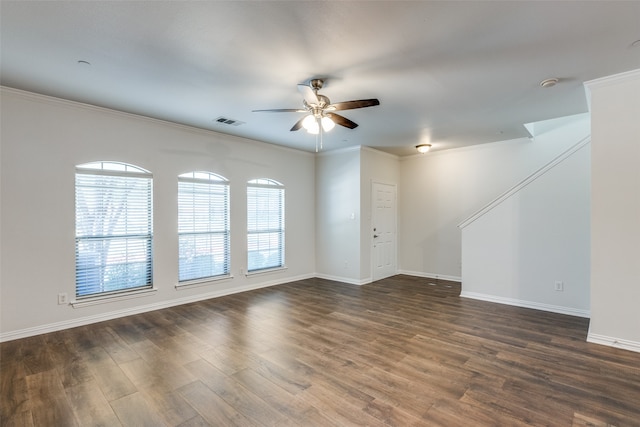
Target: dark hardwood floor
{"type": "Point", "coordinates": [402, 351]}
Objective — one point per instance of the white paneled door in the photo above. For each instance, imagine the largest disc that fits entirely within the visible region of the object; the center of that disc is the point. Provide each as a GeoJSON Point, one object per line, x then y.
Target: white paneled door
{"type": "Point", "coordinates": [383, 230]}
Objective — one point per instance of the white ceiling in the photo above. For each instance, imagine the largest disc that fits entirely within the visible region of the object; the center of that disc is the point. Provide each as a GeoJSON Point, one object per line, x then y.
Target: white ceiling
{"type": "Point", "coordinates": [449, 73]}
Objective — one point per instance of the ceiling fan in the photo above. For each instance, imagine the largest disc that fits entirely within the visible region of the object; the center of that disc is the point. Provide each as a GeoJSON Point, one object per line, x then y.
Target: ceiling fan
{"type": "Point", "coordinates": [320, 112]}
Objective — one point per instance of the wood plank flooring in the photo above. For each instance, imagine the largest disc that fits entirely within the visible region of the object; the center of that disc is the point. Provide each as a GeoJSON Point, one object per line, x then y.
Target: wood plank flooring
{"type": "Point", "coordinates": [403, 351]}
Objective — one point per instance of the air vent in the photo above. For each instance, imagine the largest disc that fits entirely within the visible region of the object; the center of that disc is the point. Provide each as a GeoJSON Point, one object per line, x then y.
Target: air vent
{"type": "Point", "coordinates": [228, 121]}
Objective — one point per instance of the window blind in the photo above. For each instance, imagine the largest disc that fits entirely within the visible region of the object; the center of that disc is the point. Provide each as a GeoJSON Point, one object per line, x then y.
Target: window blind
{"type": "Point", "coordinates": [265, 225]}
{"type": "Point", "coordinates": [113, 231]}
{"type": "Point", "coordinates": [203, 226]}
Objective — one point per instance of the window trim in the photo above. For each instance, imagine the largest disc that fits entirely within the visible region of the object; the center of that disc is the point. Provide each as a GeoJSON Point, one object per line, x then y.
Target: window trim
{"type": "Point", "coordinates": [196, 283]}
{"type": "Point", "coordinates": [211, 179]}
{"type": "Point", "coordinates": [266, 271]}
{"type": "Point", "coordinates": [112, 297]}
{"type": "Point", "coordinates": [267, 183]}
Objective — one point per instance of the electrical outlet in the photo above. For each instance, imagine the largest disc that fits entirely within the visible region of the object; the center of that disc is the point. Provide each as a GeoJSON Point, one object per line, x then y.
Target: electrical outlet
{"type": "Point", "coordinates": [62, 299]}
{"type": "Point", "coordinates": [559, 285]}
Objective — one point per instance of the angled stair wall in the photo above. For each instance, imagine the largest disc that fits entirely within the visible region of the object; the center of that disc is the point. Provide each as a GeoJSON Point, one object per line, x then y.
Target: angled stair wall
{"type": "Point", "coordinates": [530, 246]}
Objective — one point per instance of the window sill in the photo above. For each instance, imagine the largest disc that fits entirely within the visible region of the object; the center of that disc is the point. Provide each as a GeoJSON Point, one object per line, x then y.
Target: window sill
{"type": "Point", "coordinates": [201, 282]}
{"type": "Point", "coordinates": [104, 299]}
{"type": "Point", "coordinates": [266, 271]}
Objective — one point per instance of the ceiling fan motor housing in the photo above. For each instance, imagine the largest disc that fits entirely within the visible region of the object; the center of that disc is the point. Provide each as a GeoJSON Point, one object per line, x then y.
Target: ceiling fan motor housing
{"type": "Point", "coordinates": [316, 84]}
{"type": "Point", "coordinates": [323, 101]}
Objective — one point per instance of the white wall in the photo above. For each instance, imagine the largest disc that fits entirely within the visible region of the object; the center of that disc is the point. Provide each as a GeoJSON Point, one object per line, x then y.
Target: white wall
{"type": "Point", "coordinates": [338, 215]}
{"type": "Point", "coordinates": [343, 194]}
{"type": "Point", "coordinates": [42, 139]}
{"type": "Point", "coordinates": [516, 250]}
{"type": "Point", "coordinates": [615, 211]}
{"type": "Point", "coordinates": [438, 190]}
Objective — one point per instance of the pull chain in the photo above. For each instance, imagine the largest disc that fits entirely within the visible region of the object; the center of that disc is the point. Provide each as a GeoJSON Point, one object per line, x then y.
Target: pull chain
{"type": "Point", "coordinates": [319, 135]}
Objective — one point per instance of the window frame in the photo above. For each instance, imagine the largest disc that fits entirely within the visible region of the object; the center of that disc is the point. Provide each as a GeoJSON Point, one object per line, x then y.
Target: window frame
{"type": "Point", "coordinates": [211, 180]}
{"type": "Point", "coordinates": [132, 186]}
{"type": "Point", "coordinates": [280, 230]}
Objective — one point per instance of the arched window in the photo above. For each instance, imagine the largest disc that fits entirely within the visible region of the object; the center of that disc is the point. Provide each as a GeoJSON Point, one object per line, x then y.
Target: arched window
{"type": "Point", "coordinates": [265, 224]}
{"type": "Point", "coordinates": [203, 226]}
{"type": "Point", "coordinates": [113, 228]}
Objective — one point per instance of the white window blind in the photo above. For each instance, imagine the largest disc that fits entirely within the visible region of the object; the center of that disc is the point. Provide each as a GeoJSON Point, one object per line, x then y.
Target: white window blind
{"type": "Point", "coordinates": [113, 228]}
{"type": "Point", "coordinates": [265, 224]}
{"type": "Point", "coordinates": [203, 226]}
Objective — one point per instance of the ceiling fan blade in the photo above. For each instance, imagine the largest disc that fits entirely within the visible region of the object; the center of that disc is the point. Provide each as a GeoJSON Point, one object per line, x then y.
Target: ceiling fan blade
{"type": "Point", "coordinates": [280, 110]}
{"type": "Point", "coordinates": [308, 94]}
{"type": "Point", "coordinates": [350, 105]}
{"type": "Point", "coordinates": [298, 124]}
{"type": "Point", "coordinates": [342, 121]}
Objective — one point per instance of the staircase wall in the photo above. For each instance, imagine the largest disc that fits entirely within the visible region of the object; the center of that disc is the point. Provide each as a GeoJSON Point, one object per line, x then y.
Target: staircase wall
{"type": "Point", "coordinates": [440, 189]}
{"type": "Point", "coordinates": [534, 239]}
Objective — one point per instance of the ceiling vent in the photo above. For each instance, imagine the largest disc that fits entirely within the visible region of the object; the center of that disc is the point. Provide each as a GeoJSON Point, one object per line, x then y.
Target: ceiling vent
{"type": "Point", "coordinates": [228, 121]}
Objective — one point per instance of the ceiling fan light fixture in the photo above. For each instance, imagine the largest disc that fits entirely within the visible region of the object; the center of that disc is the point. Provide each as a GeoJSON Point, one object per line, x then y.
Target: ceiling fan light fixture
{"type": "Point", "coordinates": [327, 124]}
{"type": "Point", "coordinates": [311, 124]}
{"type": "Point", "coordinates": [423, 148]}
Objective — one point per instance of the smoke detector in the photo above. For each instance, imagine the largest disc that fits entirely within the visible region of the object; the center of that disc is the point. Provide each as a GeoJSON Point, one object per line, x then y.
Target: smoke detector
{"type": "Point", "coordinates": [549, 82]}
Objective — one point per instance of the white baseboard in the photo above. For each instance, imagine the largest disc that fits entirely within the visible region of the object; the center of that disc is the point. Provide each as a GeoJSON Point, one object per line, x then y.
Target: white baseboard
{"type": "Point", "coordinates": [431, 275]}
{"type": "Point", "coordinates": [82, 321]}
{"type": "Point", "coordinates": [344, 279]}
{"type": "Point", "coordinates": [613, 342]}
{"type": "Point", "coordinates": [527, 304]}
